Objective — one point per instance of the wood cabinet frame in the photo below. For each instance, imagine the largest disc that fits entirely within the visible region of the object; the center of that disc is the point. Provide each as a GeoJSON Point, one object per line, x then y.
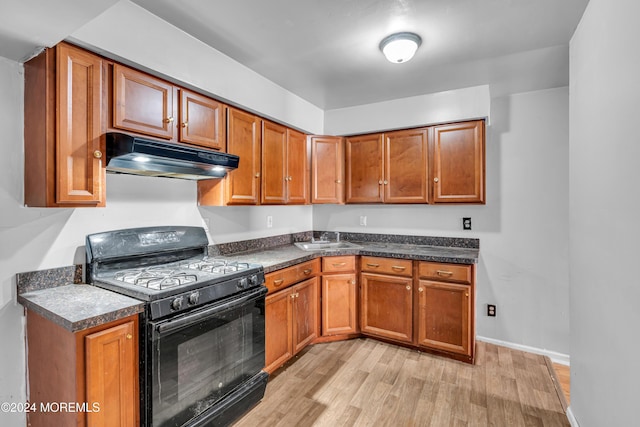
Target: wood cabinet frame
{"type": "Point", "coordinates": [64, 366]}
{"type": "Point", "coordinates": [65, 119]}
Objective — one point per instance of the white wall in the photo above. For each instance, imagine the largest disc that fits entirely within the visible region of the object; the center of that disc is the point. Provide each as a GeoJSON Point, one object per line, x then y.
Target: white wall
{"type": "Point", "coordinates": [130, 33]}
{"type": "Point", "coordinates": [523, 228]}
{"type": "Point", "coordinates": [604, 212]}
{"type": "Point", "coordinates": [452, 105]}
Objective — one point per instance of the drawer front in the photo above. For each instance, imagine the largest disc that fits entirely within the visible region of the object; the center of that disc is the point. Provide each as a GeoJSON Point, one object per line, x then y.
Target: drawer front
{"type": "Point", "coordinates": [397, 267]}
{"type": "Point", "coordinates": [288, 276]}
{"type": "Point", "coordinates": [334, 264]}
{"type": "Point", "coordinates": [460, 273]}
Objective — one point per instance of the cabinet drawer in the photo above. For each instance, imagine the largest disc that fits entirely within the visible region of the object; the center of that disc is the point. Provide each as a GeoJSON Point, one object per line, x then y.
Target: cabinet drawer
{"type": "Point", "coordinates": [287, 276]}
{"type": "Point", "coordinates": [397, 267]}
{"type": "Point", "coordinates": [338, 263]}
{"type": "Point", "coordinates": [460, 273]}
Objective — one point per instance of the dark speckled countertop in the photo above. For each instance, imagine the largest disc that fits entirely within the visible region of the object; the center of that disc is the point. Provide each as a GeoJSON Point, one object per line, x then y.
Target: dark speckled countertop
{"type": "Point", "coordinates": [77, 307]}
{"type": "Point", "coordinates": [284, 256]}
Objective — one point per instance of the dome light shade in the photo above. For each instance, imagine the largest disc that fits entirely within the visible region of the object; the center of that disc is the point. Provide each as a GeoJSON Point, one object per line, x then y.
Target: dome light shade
{"type": "Point", "coordinates": [400, 47]}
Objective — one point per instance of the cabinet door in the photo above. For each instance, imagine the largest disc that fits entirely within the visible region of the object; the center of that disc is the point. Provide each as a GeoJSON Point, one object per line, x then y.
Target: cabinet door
{"type": "Point", "coordinates": [327, 169]}
{"type": "Point", "coordinates": [339, 304]}
{"type": "Point", "coordinates": [274, 163]}
{"type": "Point", "coordinates": [364, 169]}
{"type": "Point", "coordinates": [445, 316]}
{"type": "Point", "coordinates": [243, 184]}
{"type": "Point", "coordinates": [306, 315]}
{"type": "Point", "coordinates": [202, 121]}
{"type": "Point", "coordinates": [142, 103]}
{"type": "Point", "coordinates": [386, 306]}
{"type": "Point", "coordinates": [297, 177]}
{"type": "Point", "coordinates": [278, 321]}
{"type": "Point", "coordinates": [79, 168]}
{"type": "Point", "coordinates": [458, 163]}
{"type": "Point", "coordinates": [112, 376]}
{"type": "Point", "coordinates": [405, 172]}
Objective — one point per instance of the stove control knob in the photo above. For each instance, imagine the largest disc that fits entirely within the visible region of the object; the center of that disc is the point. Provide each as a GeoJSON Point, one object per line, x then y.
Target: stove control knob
{"type": "Point", "coordinates": [194, 298]}
{"type": "Point", "coordinates": [176, 304]}
{"type": "Point", "coordinates": [253, 280]}
{"type": "Point", "coordinates": [242, 283]}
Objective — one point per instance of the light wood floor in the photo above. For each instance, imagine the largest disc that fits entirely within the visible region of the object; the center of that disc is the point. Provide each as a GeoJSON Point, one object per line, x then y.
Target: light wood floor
{"type": "Point", "coordinates": [564, 379]}
{"type": "Point", "coordinates": [364, 382]}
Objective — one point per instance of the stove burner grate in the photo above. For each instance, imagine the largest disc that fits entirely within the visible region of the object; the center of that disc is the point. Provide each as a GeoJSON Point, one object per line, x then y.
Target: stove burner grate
{"type": "Point", "coordinates": [216, 266]}
{"type": "Point", "coordinates": [155, 277]}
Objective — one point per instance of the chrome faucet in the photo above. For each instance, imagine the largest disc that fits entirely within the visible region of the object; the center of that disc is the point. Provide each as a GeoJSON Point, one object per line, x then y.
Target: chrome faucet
{"type": "Point", "coordinates": [337, 236]}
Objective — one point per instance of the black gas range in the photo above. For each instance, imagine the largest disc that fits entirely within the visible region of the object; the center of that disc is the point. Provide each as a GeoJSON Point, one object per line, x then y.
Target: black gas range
{"type": "Point", "coordinates": [202, 333]}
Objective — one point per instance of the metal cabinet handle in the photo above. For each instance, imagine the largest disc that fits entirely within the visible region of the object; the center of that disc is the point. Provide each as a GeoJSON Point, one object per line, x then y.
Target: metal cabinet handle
{"type": "Point", "coordinates": [408, 287]}
{"type": "Point", "coordinates": [466, 294]}
{"type": "Point", "coordinates": [444, 273]}
{"type": "Point", "coordinates": [373, 265]}
{"type": "Point", "coordinates": [307, 271]}
{"type": "Point", "coordinates": [385, 182]}
{"type": "Point", "coordinates": [352, 281]}
{"type": "Point", "coordinates": [185, 124]}
{"type": "Point", "coordinates": [129, 336]}
{"type": "Point", "coordinates": [339, 264]}
{"type": "Point", "coordinates": [338, 181]}
{"type": "Point", "coordinates": [168, 120]}
{"type": "Point", "coordinates": [380, 182]}
{"type": "Point", "coordinates": [436, 179]}
{"type": "Point", "coordinates": [420, 290]}
{"type": "Point", "coordinates": [278, 282]}
{"type": "Point", "coordinates": [398, 267]}
{"type": "Point", "coordinates": [258, 175]}
{"type": "Point", "coordinates": [97, 154]}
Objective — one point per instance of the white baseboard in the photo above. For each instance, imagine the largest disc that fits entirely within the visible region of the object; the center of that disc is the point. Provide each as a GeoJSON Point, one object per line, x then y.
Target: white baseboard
{"type": "Point", "coordinates": [572, 419]}
{"type": "Point", "coordinates": [555, 357]}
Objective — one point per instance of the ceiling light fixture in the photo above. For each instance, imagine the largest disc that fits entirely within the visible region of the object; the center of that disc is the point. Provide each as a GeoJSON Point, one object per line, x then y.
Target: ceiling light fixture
{"type": "Point", "coordinates": [400, 47]}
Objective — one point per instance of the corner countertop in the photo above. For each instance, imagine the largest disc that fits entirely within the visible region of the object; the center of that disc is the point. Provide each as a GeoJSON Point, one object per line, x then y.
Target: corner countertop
{"type": "Point", "coordinates": [78, 307]}
{"type": "Point", "coordinates": [273, 259]}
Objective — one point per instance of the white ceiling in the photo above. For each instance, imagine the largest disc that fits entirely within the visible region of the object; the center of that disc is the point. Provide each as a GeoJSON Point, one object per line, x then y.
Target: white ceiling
{"type": "Point", "coordinates": [326, 51]}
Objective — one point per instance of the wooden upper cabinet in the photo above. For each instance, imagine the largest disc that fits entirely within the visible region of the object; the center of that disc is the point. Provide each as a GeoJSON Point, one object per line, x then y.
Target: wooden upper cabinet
{"type": "Point", "coordinates": [284, 165]}
{"type": "Point", "coordinates": [405, 166]}
{"type": "Point", "coordinates": [458, 172]}
{"type": "Point", "coordinates": [274, 163]}
{"type": "Point", "coordinates": [242, 185]}
{"type": "Point", "coordinates": [202, 121]}
{"type": "Point", "coordinates": [64, 124]}
{"type": "Point", "coordinates": [327, 169]}
{"type": "Point", "coordinates": [143, 103]}
{"type": "Point", "coordinates": [297, 168]}
{"type": "Point", "coordinates": [364, 169]}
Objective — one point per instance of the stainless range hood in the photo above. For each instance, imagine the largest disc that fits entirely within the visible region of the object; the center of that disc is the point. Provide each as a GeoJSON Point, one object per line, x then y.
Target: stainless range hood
{"type": "Point", "coordinates": [142, 156]}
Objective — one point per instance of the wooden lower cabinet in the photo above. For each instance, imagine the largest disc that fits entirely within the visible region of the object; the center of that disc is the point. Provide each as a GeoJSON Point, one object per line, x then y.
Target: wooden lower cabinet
{"type": "Point", "coordinates": [445, 316]}
{"type": "Point", "coordinates": [96, 367]}
{"type": "Point", "coordinates": [339, 296]}
{"type": "Point", "coordinates": [386, 308]}
{"type": "Point", "coordinates": [291, 319]}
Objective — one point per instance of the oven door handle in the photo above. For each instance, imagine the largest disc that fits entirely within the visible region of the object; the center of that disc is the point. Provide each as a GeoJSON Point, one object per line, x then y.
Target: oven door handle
{"type": "Point", "coordinates": [169, 326]}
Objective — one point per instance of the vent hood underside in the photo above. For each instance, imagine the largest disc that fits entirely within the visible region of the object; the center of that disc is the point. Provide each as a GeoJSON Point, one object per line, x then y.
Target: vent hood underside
{"type": "Point", "coordinates": [141, 156]}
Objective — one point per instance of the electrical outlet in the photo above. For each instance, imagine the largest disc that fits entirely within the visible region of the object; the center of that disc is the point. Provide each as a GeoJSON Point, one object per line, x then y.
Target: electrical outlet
{"type": "Point", "coordinates": [466, 223]}
{"type": "Point", "coordinates": [269, 221]}
{"type": "Point", "coordinates": [363, 220]}
{"type": "Point", "coordinates": [491, 310]}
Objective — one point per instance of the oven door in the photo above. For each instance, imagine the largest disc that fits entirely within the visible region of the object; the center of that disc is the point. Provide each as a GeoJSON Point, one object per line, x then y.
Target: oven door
{"type": "Point", "coordinates": [198, 359]}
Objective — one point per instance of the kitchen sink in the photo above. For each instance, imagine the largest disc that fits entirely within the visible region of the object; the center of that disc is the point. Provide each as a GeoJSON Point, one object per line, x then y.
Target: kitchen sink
{"type": "Point", "coordinates": [326, 246]}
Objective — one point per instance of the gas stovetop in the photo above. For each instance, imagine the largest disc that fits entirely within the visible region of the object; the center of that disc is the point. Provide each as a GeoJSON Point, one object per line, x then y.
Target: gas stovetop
{"type": "Point", "coordinates": [163, 280]}
{"type": "Point", "coordinates": [167, 266]}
